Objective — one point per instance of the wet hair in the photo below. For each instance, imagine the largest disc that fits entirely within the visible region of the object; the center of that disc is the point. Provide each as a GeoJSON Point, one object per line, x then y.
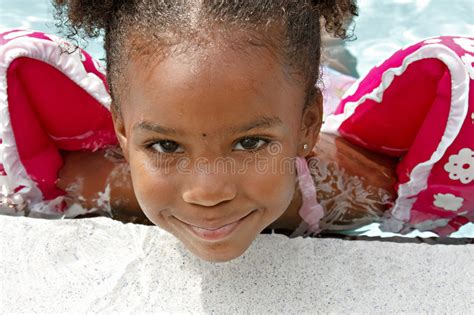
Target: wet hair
{"type": "Point", "coordinates": [290, 28]}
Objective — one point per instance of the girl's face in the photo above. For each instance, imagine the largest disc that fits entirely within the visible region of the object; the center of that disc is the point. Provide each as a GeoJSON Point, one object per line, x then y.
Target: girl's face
{"type": "Point", "coordinates": [211, 136]}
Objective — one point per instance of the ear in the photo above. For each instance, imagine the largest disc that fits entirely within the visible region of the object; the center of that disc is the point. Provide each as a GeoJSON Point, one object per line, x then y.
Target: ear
{"type": "Point", "coordinates": [311, 122]}
{"type": "Point", "coordinates": [120, 130]}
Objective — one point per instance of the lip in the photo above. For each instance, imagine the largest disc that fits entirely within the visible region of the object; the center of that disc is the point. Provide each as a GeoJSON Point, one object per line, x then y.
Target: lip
{"type": "Point", "coordinates": [215, 234]}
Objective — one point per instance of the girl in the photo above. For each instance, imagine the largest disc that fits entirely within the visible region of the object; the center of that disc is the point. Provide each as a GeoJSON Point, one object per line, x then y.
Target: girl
{"type": "Point", "coordinates": [214, 105]}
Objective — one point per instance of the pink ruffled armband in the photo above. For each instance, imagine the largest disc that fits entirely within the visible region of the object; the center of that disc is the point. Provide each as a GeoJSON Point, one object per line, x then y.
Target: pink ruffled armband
{"type": "Point", "coordinates": [419, 106]}
{"type": "Point", "coordinates": [53, 97]}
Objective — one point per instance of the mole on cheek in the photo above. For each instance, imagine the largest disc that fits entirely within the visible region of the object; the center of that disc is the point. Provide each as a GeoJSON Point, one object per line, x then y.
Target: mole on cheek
{"type": "Point", "coordinates": [204, 135]}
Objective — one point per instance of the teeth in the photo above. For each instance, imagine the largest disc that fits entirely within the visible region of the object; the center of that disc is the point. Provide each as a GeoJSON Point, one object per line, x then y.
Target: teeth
{"type": "Point", "coordinates": [215, 229]}
{"type": "Point", "coordinates": [200, 228]}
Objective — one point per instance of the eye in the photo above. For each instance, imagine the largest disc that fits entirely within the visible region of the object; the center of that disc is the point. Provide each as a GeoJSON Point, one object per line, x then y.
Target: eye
{"type": "Point", "coordinates": [164, 146]}
{"type": "Point", "coordinates": [252, 143]}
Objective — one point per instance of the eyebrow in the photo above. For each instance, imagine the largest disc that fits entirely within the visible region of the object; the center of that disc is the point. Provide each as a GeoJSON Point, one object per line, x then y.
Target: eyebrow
{"type": "Point", "coordinates": [261, 122]}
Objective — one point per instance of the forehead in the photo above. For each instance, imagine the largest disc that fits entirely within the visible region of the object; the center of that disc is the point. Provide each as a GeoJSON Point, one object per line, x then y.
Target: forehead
{"type": "Point", "coordinates": [205, 89]}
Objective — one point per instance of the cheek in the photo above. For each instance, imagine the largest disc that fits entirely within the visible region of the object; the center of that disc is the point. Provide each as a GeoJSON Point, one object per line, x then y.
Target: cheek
{"type": "Point", "coordinates": [273, 188]}
{"type": "Point", "coordinates": [153, 189]}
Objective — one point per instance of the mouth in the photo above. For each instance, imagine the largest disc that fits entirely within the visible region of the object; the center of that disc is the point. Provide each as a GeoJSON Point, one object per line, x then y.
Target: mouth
{"type": "Point", "coordinates": [217, 233]}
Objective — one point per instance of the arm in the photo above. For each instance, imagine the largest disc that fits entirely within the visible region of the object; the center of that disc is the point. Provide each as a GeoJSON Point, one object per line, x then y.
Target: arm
{"type": "Point", "coordinates": [86, 175]}
{"type": "Point", "coordinates": [354, 186]}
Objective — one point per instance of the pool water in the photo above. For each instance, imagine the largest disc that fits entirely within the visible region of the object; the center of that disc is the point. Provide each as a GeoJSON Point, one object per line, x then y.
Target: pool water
{"type": "Point", "coordinates": [386, 26]}
{"type": "Point", "coordinates": [382, 28]}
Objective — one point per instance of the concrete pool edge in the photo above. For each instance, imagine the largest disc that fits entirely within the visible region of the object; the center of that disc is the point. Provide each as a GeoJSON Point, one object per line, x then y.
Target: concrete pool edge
{"type": "Point", "coordinates": [98, 264]}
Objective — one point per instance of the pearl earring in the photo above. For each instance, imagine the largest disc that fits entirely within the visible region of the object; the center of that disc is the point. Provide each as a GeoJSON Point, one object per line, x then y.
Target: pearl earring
{"type": "Point", "coordinates": [305, 146]}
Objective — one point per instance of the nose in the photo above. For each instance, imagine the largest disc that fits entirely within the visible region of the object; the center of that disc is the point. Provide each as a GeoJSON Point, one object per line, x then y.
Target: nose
{"type": "Point", "coordinates": [209, 189]}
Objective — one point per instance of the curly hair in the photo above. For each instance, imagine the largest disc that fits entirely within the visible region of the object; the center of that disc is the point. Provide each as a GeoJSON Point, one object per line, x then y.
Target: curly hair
{"type": "Point", "coordinates": [150, 27]}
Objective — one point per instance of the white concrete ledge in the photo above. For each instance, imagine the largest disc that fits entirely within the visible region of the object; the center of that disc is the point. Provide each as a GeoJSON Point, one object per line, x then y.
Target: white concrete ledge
{"type": "Point", "coordinates": [101, 265]}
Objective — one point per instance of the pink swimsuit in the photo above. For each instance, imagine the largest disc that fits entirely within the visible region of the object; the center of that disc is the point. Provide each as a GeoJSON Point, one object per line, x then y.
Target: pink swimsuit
{"type": "Point", "coordinates": [311, 211]}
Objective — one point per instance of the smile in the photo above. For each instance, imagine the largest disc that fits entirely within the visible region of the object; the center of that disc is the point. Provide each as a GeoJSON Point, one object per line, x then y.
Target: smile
{"type": "Point", "coordinates": [215, 234]}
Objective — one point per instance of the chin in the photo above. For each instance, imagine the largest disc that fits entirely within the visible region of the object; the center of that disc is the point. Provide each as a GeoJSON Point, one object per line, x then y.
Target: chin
{"type": "Point", "coordinates": [217, 253]}
{"type": "Point", "coordinates": [219, 257]}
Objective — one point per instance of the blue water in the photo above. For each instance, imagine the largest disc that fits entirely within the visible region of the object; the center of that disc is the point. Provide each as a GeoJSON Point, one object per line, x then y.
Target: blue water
{"type": "Point", "coordinates": [382, 28]}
